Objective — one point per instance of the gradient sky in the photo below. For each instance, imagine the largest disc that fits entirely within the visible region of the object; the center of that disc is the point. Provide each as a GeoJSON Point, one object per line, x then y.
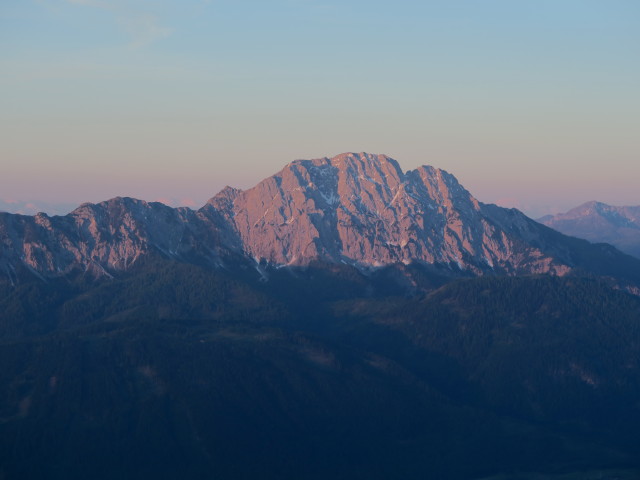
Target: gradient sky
{"type": "Point", "coordinates": [534, 104]}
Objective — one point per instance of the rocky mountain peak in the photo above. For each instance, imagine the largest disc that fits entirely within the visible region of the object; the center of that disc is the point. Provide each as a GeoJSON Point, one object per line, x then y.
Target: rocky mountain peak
{"type": "Point", "coordinates": [362, 209]}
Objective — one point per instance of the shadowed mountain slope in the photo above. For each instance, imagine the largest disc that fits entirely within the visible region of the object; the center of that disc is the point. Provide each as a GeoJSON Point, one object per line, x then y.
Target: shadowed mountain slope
{"type": "Point", "coordinates": [177, 370]}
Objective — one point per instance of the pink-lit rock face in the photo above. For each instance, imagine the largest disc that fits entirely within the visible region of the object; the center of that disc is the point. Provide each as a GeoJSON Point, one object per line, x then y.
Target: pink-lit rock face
{"type": "Point", "coordinates": [358, 209]}
{"type": "Point", "coordinates": [99, 238]}
{"type": "Point", "coordinates": [363, 209]}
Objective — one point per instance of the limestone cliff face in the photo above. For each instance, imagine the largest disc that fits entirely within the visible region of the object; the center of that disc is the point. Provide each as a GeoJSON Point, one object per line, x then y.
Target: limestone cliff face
{"type": "Point", "coordinates": [100, 238]}
{"type": "Point", "coordinates": [358, 209]}
{"type": "Point", "coordinates": [363, 209]}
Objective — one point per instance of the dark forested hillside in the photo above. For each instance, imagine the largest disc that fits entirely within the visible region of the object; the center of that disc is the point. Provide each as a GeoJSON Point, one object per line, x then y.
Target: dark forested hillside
{"type": "Point", "coordinates": [173, 370]}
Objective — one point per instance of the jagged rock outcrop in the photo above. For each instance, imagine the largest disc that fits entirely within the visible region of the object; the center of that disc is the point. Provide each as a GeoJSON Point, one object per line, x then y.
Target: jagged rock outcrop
{"type": "Point", "coordinates": [102, 238]}
{"type": "Point", "coordinates": [358, 209]}
{"type": "Point", "coordinates": [363, 209]}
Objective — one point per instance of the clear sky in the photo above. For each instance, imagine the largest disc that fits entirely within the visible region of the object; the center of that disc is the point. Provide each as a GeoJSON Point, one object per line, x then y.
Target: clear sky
{"type": "Point", "coordinates": [530, 103]}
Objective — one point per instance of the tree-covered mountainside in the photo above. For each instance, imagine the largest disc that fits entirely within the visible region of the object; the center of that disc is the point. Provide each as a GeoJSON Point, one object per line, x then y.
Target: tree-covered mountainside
{"type": "Point", "coordinates": [172, 370]}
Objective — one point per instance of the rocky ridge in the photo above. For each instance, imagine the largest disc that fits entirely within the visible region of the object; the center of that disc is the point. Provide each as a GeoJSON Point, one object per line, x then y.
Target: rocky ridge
{"type": "Point", "coordinates": [363, 209]}
{"type": "Point", "coordinates": [357, 209]}
{"type": "Point", "coordinates": [103, 238]}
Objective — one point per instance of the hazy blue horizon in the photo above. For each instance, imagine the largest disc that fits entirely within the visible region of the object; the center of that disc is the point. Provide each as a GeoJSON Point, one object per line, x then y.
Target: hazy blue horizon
{"type": "Point", "coordinates": [528, 104]}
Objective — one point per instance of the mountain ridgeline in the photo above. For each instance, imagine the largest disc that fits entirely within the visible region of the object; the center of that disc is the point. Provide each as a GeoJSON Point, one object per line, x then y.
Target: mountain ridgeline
{"type": "Point", "coordinates": [342, 319]}
{"type": "Point", "coordinates": [356, 209]}
{"type": "Point", "coordinates": [599, 222]}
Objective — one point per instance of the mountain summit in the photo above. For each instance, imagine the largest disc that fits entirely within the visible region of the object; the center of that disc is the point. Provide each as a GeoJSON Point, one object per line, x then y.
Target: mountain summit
{"type": "Point", "coordinates": [363, 209]}
{"type": "Point", "coordinates": [599, 222]}
{"type": "Point", "coordinates": [356, 208]}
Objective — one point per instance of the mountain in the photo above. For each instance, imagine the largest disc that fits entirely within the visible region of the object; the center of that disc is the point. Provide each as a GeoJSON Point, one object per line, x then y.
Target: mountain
{"type": "Point", "coordinates": [342, 319]}
{"type": "Point", "coordinates": [105, 238]}
{"type": "Point", "coordinates": [602, 223]}
{"type": "Point", "coordinates": [355, 209]}
{"type": "Point", "coordinates": [364, 210]}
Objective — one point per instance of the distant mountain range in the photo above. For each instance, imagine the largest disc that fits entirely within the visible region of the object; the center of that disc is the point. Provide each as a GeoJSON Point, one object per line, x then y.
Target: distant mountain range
{"type": "Point", "coordinates": [31, 208]}
{"type": "Point", "coordinates": [599, 222]}
{"type": "Point", "coordinates": [355, 209]}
